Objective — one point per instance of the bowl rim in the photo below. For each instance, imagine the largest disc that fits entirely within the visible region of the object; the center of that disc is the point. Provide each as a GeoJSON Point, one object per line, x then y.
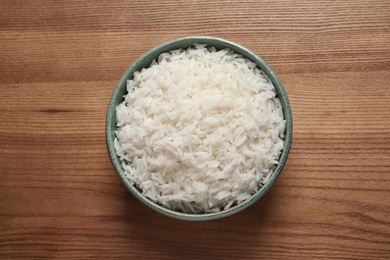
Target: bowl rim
{"type": "Point", "coordinates": [110, 120]}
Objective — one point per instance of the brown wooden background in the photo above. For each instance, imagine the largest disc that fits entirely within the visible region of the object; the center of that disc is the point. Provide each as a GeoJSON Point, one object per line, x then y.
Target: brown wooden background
{"type": "Point", "coordinates": [61, 198]}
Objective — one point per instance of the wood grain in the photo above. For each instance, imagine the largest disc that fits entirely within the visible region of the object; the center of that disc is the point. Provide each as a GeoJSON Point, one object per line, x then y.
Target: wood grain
{"type": "Point", "coordinates": [61, 198]}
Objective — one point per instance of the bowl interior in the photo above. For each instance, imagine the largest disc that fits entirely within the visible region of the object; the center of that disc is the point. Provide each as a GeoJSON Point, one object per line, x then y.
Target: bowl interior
{"type": "Point", "coordinates": [143, 62]}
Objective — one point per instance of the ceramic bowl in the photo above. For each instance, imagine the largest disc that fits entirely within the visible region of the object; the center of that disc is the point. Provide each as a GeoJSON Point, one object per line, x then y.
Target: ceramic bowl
{"type": "Point", "coordinates": [144, 61]}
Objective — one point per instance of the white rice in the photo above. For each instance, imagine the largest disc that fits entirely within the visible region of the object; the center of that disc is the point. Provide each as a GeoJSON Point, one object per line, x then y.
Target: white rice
{"type": "Point", "coordinates": [199, 130]}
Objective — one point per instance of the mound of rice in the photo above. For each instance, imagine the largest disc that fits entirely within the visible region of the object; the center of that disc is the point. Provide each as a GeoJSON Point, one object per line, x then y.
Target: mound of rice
{"type": "Point", "coordinates": [199, 130]}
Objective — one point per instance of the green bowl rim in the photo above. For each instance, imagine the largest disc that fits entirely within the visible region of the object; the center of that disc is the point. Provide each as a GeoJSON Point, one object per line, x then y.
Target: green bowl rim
{"type": "Point", "coordinates": [287, 139]}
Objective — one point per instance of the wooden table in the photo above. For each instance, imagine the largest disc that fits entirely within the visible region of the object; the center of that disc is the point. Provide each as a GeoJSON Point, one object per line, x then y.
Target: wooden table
{"type": "Point", "coordinates": [60, 197]}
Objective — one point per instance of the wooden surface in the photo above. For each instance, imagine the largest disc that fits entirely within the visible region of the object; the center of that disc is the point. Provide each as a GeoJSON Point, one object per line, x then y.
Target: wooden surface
{"type": "Point", "coordinates": [61, 198]}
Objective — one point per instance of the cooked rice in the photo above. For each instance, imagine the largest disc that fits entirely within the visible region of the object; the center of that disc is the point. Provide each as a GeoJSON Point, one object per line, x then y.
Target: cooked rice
{"type": "Point", "coordinates": [199, 130]}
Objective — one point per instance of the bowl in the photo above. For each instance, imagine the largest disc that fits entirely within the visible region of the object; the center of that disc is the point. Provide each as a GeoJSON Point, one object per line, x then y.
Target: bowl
{"type": "Point", "coordinates": [143, 62]}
